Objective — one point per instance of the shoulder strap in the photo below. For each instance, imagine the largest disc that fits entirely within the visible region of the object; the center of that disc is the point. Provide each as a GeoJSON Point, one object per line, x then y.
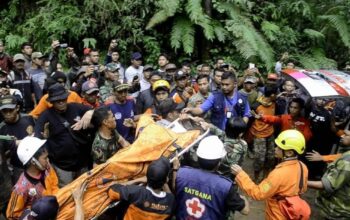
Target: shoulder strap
{"type": "Point", "coordinates": [301, 181]}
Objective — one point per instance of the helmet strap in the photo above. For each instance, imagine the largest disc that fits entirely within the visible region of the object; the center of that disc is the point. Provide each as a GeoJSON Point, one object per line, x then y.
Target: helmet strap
{"type": "Point", "coordinates": [38, 164]}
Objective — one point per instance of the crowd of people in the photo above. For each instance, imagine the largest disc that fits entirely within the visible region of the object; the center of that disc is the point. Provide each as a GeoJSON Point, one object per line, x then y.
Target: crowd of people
{"type": "Point", "coordinates": [60, 121]}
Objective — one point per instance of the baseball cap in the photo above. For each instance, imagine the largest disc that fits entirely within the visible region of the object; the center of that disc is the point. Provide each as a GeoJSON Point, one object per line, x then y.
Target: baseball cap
{"type": "Point", "coordinates": [136, 56]}
{"type": "Point", "coordinates": [170, 66]}
{"type": "Point", "coordinates": [8, 102]}
{"type": "Point", "coordinates": [272, 76]}
{"type": "Point", "coordinates": [117, 86]}
{"type": "Point", "coordinates": [37, 55]}
{"type": "Point", "coordinates": [250, 79]}
{"type": "Point", "coordinates": [112, 67]}
{"type": "Point", "coordinates": [157, 172]}
{"type": "Point", "coordinates": [89, 87]}
{"type": "Point", "coordinates": [18, 57]}
{"type": "Point", "coordinates": [180, 75]}
{"type": "Point", "coordinates": [57, 92]}
{"type": "Point", "coordinates": [148, 68]}
{"type": "Point", "coordinates": [59, 75]}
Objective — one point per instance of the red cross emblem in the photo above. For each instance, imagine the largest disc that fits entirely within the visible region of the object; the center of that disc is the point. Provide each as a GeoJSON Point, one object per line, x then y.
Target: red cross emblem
{"type": "Point", "coordinates": [194, 207]}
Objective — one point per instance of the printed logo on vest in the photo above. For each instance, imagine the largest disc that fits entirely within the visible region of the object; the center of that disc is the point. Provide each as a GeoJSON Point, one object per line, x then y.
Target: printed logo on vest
{"type": "Point", "coordinates": [194, 207]}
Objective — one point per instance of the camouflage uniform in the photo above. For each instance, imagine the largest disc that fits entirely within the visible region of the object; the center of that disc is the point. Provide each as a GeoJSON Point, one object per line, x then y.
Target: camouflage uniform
{"type": "Point", "coordinates": [334, 200]}
{"type": "Point", "coordinates": [236, 151]}
{"type": "Point", "coordinates": [264, 152]}
{"type": "Point", "coordinates": [103, 149]}
{"type": "Point", "coordinates": [106, 90]}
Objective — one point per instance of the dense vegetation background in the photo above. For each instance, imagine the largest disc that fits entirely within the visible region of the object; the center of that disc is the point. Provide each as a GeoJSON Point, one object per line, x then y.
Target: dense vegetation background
{"type": "Point", "coordinates": [316, 33]}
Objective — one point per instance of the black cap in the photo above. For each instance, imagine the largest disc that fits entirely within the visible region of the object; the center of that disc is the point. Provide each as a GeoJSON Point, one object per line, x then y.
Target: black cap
{"type": "Point", "coordinates": [43, 209]}
{"type": "Point", "coordinates": [59, 75]}
{"type": "Point", "coordinates": [157, 172]}
{"type": "Point", "coordinates": [57, 92]}
{"type": "Point", "coordinates": [180, 75]}
{"type": "Point", "coordinates": [8, 102]}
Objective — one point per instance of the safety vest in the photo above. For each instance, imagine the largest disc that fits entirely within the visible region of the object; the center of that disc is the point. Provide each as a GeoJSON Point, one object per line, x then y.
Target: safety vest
{"type": "Point", "coordinates": [201, 194]}
{"type": "Point", "coordinates": [219, 108]}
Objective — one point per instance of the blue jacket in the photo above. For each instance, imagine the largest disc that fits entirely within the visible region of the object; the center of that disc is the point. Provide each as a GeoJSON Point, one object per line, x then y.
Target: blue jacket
{"type": "Point", "coordinates": [219, 108]}
{"type": "Point", "coordinates": [201, 194]}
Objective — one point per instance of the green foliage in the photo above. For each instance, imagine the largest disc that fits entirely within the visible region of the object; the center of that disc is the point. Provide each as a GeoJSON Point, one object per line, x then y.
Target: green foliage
{"type": "Point", "coordinates": [315, 33]}
{"type": "Point", "coordinates": [182, 34]}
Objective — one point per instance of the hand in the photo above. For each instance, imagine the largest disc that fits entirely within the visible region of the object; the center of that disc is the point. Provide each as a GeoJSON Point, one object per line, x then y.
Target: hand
{"type": "Point", "coordinates": [129, 122]}
{"type": "Point", "coordinates": [101, 68]}
{"type": "Point", "coordinates": [205, 125]}
{"type": "Point", "coordinates": [257, 116]}
{"type": "Point", "coordinates": [314, 156]}
{"type": "Point", "coordinates": [236, 169]}
{"type": "Point", "coordinates": [78, 193]}
{"type": "Point", "coordinates": [46, 132]}
{"type": "Point", "coordinates": [176, 162]}
{"type": "Point", "coordinates": [4, 91]}
{"type": "Point", "coordinates": [84, 122]}
{"type": "Point", "coordinates": [55, 44]}
{"type": "Point", "coordinates": [89, 71]}
{"type": "Point", "coordinates": [186, 110]}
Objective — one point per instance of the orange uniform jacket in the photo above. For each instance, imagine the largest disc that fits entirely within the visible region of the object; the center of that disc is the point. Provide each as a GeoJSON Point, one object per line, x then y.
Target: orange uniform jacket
{"type": "Point", "coordinates": [43, 104]}
{"type": "Point", "coordinates": [259, 128]}
{"type": "Point", "coordinates": [282, 181]}
{"type": "Point", "coordinates": [26, 191]}
{"type": "Point", "coordinates": [330, 158]}
{"type": "Point", "coordinates": [286, 122]}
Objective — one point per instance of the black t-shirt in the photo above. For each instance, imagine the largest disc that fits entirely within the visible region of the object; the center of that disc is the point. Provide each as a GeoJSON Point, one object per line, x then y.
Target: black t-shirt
{"type": "Point", "coordinates": [64, 150]}
{"type": "Point", "coordinates": [21, 129]}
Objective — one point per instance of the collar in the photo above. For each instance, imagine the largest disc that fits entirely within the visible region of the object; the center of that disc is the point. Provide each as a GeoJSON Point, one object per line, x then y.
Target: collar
{"type": "Point", "coordinates": [287, 162]}
{"type": "Point", "coordinates": [162, 194]}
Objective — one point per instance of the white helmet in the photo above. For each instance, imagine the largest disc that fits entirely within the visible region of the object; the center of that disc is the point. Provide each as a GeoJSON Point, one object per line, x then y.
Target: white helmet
{"type": "Point", "coordinates": [28, 147]}
{"type": "Point", "coordinates": [211, 148]}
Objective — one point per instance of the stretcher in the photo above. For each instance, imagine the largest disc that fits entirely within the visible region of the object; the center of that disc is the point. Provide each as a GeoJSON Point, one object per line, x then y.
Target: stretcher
{"type": "Point", "coordinates": [152, 141]}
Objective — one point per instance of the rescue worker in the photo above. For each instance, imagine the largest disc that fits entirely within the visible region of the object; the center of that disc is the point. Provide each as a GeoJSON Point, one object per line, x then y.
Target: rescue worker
{"type": "Point", "coordinates": [38, 179]}
{"type": "Point", "coordinates": [160, 90]}
{"type": "Point", "coordinates": [284, 180]}
{"type": "Point", "coordinates": [202, 193]}
{"type": "Point", "coordinates": [150, 202]}
{"type": "Point", "coordinates": [333, 199]}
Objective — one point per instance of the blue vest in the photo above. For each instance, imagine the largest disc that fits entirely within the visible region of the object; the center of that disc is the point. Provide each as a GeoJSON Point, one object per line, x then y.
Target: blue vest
{"type": "Point", "coordinates": [201, 194]}
{"type": "Point", "coordinates": [219, 108]}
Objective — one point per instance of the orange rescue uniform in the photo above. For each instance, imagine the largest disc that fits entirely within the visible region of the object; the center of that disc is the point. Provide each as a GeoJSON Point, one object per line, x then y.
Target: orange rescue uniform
{"type": "Point", "coordinates": [282, 181]}
{"type": "Point", "coordinates": [44, 104]}
{"type": "Point", "coordinates": [286, 122]}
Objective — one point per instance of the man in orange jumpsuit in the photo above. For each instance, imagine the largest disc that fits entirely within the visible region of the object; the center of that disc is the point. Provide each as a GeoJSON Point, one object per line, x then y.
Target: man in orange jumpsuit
{"type": "Point", "coordinates": [284, 180]}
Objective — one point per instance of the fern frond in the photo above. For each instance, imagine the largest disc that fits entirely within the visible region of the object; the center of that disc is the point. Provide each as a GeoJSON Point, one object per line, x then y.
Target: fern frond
{"type": "Point", "coordinates": [196, 13]}
{"type": "Point", "coordinates": [168, 9]}
{"type": "Point", "coordinates": [220, 32]}
{"type": "Point", "coordinates": [270, 30]}
{"type": "Point", "coordinates": [339, 23]}
{"type": "Point", "coordinates": [314, 35]}
{"type": "Point", "coordinates": [183, 34]}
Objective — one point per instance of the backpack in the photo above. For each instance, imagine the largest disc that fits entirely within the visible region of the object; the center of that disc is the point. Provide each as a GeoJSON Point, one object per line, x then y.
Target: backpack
{"type": "Point", "coordinates": [294, 207]}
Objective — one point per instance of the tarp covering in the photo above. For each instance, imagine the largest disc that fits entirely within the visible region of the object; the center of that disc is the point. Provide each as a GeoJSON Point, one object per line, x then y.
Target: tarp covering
{"type": "Point", "coordinates": [129, 163]}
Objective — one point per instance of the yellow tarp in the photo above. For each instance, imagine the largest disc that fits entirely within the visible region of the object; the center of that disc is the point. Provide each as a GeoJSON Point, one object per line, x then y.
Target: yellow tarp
{"type": "Point", "coordinates": [130, 163]}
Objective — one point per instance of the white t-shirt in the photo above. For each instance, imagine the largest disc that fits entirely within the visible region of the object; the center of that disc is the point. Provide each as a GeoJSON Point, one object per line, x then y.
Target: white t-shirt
{"type": "Point", "coordinates": [130, 73]}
